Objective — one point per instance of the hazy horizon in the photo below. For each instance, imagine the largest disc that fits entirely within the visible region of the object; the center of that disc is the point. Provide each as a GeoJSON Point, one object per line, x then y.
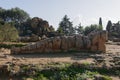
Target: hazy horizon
{"type": "Point", "coordinates": [85, 12]}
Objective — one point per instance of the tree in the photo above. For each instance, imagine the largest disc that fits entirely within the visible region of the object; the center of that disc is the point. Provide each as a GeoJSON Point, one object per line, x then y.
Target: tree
{"type": "Point", "coordinates": [109, 26]}
{"type": "Point", "coordinates": [1, 21]}
{"type": "Point", "coordinates": [100, 21]}
{"type": "Point", "coordinates": [24, 28]}
{"type": "Point", "coordinates": [14, 15]}
{"type": "Point", "coordinates": [60, 30]}
{"type": "Point", "coordinates": [80, 29]}
{"type": "Point", "coordinates": [91, 28]}
{"type": "Point", "coordinates": [2, 13]}
{"type": "Point", "coordinates": [100, 24]}
{"type": "Point", "coordinates": [66, 27]}
{"type": "Point", "coordinates": [18, 15]}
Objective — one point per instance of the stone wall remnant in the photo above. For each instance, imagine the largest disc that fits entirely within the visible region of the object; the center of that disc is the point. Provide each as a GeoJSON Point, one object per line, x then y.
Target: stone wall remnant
{"type": "Point", "coordinates": [95, 41]}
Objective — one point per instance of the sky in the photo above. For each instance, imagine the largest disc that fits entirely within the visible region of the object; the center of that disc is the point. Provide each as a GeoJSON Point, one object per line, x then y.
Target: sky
{"type": "Point", "coordinates": [86, 12]}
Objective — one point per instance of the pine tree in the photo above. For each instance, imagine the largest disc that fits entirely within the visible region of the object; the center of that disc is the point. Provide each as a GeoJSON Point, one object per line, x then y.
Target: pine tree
{"type": "Point", "coordinates": [80, 29]}
{"type": "Point", "coordinates": [100, 21]}
{"type": "Point", "coordinates": [66, 26]}
{"type": "Point", "coordinates": [109, 26]}
{"type": "Point", "coordinates": [100, 24]}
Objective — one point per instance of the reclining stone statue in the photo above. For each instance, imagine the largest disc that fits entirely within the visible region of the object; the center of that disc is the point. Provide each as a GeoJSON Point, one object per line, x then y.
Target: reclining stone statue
{"type": "Point", "coordinates": [95, 41]}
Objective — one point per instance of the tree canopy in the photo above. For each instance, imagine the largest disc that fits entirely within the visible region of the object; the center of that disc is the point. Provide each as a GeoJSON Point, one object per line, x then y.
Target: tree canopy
{"type": "Point", "coordinates": [91, 28]}
{"type": "Point", "coordinates": [13, 15]}
{"type": "Point", "coordinates": [66, 26]}
{"type": "Point", "coordinates": [109, 26]}
{"type": "Point", "coordinates": [100, 21]}
{"type": "Point", "coordinates": [100, 24]}
{"type": "Point", "coordinates": [79, 29]}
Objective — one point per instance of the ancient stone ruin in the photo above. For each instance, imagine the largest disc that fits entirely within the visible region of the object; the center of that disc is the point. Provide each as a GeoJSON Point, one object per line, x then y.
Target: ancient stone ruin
{"type": "Point", "coordinates": [35, 29]}
{"type": "Point", "coordinates": [95, 41]}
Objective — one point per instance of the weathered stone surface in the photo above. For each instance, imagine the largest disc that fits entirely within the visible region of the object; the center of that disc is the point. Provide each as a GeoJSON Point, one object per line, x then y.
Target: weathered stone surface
{"type": "Point", "coordinates": [50, 46]}
{"type": "Point", "coordinates": [71, 42]}
{"type": "Point", "coordinates": [35, 21]}
{"type": "Point", "coordinates": [95, 41]}
{"type": "Point", "coordinates": [33, 38]}
{"type": "Point", "coordinates": [103, 38]}
{"type": "Point", "coordinates": [79, 42]}
{"type": "Point", "coordinates": [40, 27]}
{"type": "Point", "coordinates": [44, 37]}
{"type": "Point", "coordinates": [98, 40]}
{"type": "Point", "coordinates": [43, 46]}
{"type": "Point", "coordinates": [98, 77]}
{"type": "Point", "coordinates": [56, 44]}
{"type": "Point", "coordinates": [86, 42]}
{"type": "Point", "coordinates": [64, 43]}
{"type": "Point", "coordinates": [15, 50]}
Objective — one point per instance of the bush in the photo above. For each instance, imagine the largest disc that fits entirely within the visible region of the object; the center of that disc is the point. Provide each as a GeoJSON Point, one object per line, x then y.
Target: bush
{"type": "Point", "coordinates": [115, 34]}
{"type": "Point", "coordinates": [9, 46]}
{"type": "Point", "coordinates": [93, 27]}
{"type": "Point", "coordinates": [107, 78]}
{"type": "Point", "coordinates": [8, 32]}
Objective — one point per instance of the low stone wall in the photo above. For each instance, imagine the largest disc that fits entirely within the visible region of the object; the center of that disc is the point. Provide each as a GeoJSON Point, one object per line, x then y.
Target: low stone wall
{"type": "Point", "coordinates": [93, 42]}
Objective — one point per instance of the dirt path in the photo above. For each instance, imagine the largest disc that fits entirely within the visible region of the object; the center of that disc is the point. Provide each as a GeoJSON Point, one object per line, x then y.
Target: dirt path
{"type": "Point", "coordinates": [112, 48]}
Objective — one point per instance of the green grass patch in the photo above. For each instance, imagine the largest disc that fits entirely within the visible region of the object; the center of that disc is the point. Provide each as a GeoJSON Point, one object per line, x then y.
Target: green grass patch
{"type": "Point", "coordinates": [65, 71]}
{"type": "Point", "coordinates": [9, 46]}
{"type": "Point", "coordinates": [70, 73]}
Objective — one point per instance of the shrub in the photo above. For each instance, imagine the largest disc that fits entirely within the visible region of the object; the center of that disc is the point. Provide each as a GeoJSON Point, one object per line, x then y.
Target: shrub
{"type": "Point", "coordinates": [8, 32]}
{"type": "Point", "coordinates": [107, 78]}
